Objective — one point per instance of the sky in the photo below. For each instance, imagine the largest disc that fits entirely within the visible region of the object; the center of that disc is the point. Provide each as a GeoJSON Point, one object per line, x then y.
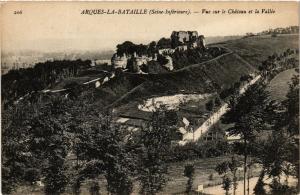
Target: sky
{"type": "Point", "coordinates": [60, 26]}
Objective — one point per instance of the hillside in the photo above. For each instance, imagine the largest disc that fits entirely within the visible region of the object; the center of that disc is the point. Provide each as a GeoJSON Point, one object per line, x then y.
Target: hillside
{"type": "Point", "coordinates": [257, 49]}
{"type": "Point", "coordinates": [242, 58]}
{"type": "Point", "coordinates": [279, 86]}
{"type": "Point", "coordinates": [223, 71]}
{"type": "Point", "coordinates": [208, 77]}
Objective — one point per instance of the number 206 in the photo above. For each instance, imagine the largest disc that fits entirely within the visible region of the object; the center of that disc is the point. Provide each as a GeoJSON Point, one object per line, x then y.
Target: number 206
{"type": "Point", "coordinates": [18, 12]}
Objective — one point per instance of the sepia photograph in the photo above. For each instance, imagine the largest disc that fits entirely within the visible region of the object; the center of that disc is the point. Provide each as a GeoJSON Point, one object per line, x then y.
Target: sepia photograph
{"type": "Point", "coordinates": [150, 98]}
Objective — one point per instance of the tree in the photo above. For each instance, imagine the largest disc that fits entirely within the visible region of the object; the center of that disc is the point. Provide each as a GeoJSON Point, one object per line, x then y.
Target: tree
{"type": "Point", "coordinates": [226, 185]}
{"type": "Point", "coordinates": [292, 106]}
{"type": "Point", "coordinates": [102, 147]}
{"type": "Point", "coordinates": [49, 141]}
{"type": "Point", "coordinates": [94, 188]}
{"type": "Point", "coordinates": [152, 48]}
{"type": "Point", "coordinates": [39, 144]}
{"type": "Point", "coordinates": [155, 144]}
{"type": "Point", "coordinates": [189, 171]}
{"type": "Point", "coordinates": [164, 43]}
{"type": "Point", "coordinates": [223, 169]}
{"type": "Point", "coordinates": [218, 101]}
{"type": "Point", "coordinates": [233, 165]}
{"type": "Point", "coordinates": [248, 115]}
{"type": "Point", "coordinates": [210, 105]}
{"type": "Point", "coordinates": [13, 162]}
{"type": "Point", "coordinates": [259, 187]}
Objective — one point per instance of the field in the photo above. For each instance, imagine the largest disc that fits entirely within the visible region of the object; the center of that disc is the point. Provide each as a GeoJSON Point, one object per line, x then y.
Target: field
{"type": "Point", "coordinates": [257, 49]}
{"type": "Point", "coordinates": [279, 87]}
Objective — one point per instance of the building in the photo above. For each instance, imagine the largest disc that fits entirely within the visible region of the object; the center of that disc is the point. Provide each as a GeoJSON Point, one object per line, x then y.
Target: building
{"type": "Point", "coordinates": [180, 41]}
{"type": "Point", "coordinates": [181, 48]}
{"type": "Point", "coordinates": [166, 51]}
{"type": "Point", "coordinates": [169, 64]}
{"type": "Point", "coordinates": [119, 61]}
{"type": "Point", "coordinates": [191, 39]}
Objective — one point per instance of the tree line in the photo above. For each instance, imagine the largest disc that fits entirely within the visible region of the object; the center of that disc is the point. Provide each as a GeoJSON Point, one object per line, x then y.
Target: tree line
{"type": "Point", "coordinates": [17, 83]}
{"type": "Point", "coordinates": [254, 113]}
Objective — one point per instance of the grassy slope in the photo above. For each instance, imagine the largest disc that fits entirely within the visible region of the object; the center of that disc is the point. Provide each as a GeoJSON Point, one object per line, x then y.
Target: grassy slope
{"type": "Point", "coordinates": [202, 78]}
{"type": "Point", "coordinates": [223, 72]}
{"type": "Point", "coordinates": [256, 49]}
{"type": "Point", "coordinates": [278, 86]}
{"type": "Point", "coordinates": [209, 76]}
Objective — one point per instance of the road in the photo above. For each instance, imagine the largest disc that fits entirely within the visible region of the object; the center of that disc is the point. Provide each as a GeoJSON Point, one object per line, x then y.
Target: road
{"type": "Point", "coordinates": [214, 118]}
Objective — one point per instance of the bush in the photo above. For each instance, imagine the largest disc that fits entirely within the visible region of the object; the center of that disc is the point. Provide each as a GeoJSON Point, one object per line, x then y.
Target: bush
{"type": "Point", "coordinates": [189, 171]}
{"type": "Point", "coordinates": [198, 150]}
{"type": "Point", "coordinates": [210, 105]}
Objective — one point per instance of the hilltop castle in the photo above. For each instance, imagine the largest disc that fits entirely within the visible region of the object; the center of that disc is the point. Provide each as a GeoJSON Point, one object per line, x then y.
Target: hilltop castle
{"type": "Point", "coordinates": [189, 39]}
{"type": "Point", "coordinates": [179, 41]}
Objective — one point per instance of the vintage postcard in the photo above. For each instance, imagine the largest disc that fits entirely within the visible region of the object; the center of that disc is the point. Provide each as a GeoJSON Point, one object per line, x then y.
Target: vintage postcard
{"type": "Point", "coordinates": [150, 98]}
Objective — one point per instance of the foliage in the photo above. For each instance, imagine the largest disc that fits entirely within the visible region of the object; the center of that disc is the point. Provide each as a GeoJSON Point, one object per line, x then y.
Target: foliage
{"type": "Point", "coordinates": [223, 169]}
{"type": "Point", "coordinates": [164, 43]}
{"type": "Point", "coordinates": [14, 161]}
{"type": "Point", "coordinates": [201, 149]}
{"type": "Point", "coordinates": [94, 188]}
{"type": "Point", "coordinates": [100, 145]}
{"type": "Point", "coordinates": [155, 144]}
{"type": "Point", "coordinates": [49, 141]}
{"type": "Point", "coordinates": [39, 139]}
{"type": "Point", "coordinates": [194, 56]}
{"type": "Point", "coordinates": [259, 187]}
{"type": "Point", "coordinates": [247, 112]}
{"type": "Point", "coordinates": [226, 184]}
{"type": "Point", "coordinates": [189, 171]}
{"type": "Point", "coordinates": [210, 105]}
{"type": "Point", "coordinates": [280, 153]}
{"type": "Point", "coordinates": [292, 106]}
{"type": "Point", "coordinates": [152, 49]}
{"type": "Point", "coordinates": [248, 115]}
{"type": "Point", "coordinates": [17, 83]}
{"type": "Point", "coordinates": [228, 170]}
{"type": "Point", "coordinates": [218, 101]}
{"type": "Point", "coordinates": [130, 48]}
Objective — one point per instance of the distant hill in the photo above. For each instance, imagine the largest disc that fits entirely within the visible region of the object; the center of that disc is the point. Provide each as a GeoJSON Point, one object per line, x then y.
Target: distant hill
{"type": "Point", "coordinates": [28, 58]}
{"type": "Point", "coordinates": [218, 39]}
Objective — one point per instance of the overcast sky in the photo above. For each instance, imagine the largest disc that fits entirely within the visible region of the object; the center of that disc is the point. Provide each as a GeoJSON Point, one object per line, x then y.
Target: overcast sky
{"type": "Point", "coordinates": [54, 26]}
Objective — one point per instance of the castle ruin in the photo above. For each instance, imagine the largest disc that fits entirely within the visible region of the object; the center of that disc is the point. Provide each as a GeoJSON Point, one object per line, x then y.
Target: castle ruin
{"type": "Point", "coordinates": [180, 41]}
